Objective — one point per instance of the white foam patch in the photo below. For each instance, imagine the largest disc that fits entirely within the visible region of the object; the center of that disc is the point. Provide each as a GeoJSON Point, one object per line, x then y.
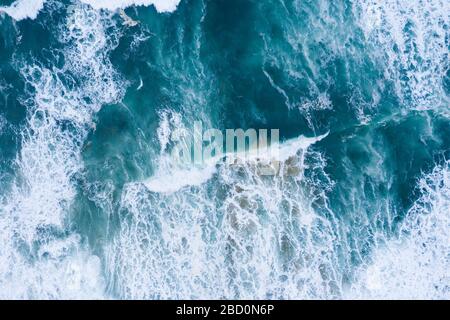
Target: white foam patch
{"type": "Point", "coordinates": [160, 5]}
{"type": "Point", "coordinates": [3, 123]}
{"type": "Point", "coordinates": [177, 179]}
{"type": "Point", "coordinates": [220, 239]}
{"type": "Point", "coordinates": [191, 247]}
{"type": "Point", "coordinates": [410, 39]}
{"type": "Point", "coordinates": [29, 9]}
{"type": "Point", "coordinates": [415, 265]}
{"type": "Point", "coordinates": [24, 9]}
{"type": "Point", "coordinates": [62, 269]}
{"type": "Point", "coordinates": [171, 180]}
{"type": "Point", "coordinates": [38, 258]}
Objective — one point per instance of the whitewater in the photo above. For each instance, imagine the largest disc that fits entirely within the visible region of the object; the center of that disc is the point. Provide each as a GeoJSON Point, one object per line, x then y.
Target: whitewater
{"type": "Point", "coordinates": [24, 9]}
{"type": "Point", "coordinates": [93, 207]}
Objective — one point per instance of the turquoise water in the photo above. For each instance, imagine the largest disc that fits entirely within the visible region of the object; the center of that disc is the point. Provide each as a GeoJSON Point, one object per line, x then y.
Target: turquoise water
{"type": "Point", "coordinates": [88, 105]}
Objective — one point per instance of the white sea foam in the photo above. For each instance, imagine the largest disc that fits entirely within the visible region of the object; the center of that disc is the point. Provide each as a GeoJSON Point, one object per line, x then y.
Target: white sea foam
{"type": "Point", "coordinates": [171, 180]}
{"type": "Point", "coordinates": [3, 123]}
{"type": "Point", "coordinates": [160, 5]}
{"type": "Point", "coordinates": [29, 9]}
{"type": "Point", "coordinates": [39, 258]}
{"type": "Point", "coordinates": [24, 9]}
{"type": "Point", "coordinates": [62, 269]}
{"type": "Point", "coordinates": [415, 265]}
{"type": "Point", "coordinates": [177, 179]}
{"type": "Point", "coordinates": [222, 236]}
{"type": "Point", "coordinates": [410, 38]}
{"type": "Point", "coordinates": [234, 239]}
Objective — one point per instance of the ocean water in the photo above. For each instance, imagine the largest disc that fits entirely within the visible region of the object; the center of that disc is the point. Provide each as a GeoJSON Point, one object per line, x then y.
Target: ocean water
{"type": "Point", "coordinates": [91, 205]}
